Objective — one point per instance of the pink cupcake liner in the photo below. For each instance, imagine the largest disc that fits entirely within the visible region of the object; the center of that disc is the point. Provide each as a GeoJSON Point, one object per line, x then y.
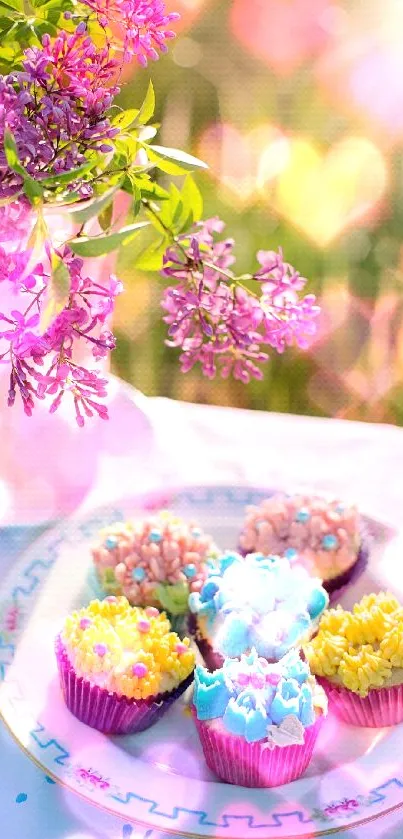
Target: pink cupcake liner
{"type": "Point", "coordinates": [106, 711]}
{"type": "Point", "coordinates": [251, 764]}
{"type": "Point", "coordinates": [382, 706]}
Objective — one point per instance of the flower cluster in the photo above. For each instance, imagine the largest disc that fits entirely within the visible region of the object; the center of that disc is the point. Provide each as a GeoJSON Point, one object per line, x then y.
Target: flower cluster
{"type": "Point", "coordinates": [218, 322]}
{"type": "Point", "coordinates": [143, 25]}
{"type": "Point", "coordinates": [42, 357]}
{"type": "Point", "coordinates": [56, 107]}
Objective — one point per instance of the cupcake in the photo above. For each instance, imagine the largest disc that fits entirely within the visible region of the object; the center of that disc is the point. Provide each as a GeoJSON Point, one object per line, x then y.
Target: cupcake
{"type": "Point", "coordinates": [156, 562]}
{"type": "Point", "coordinates": [358, 658]}
{"type": "Point", "coordinates": [324, 536]}
{"type": "Point", "coordinates": [121, 667]}
{"type": "Point", "coordinates": [256, 601]}
{"type": "Point", "coordinates": [258, 722]}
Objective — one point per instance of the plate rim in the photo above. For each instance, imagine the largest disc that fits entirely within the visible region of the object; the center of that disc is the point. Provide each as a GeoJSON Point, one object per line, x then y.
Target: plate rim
{"type": "Point", "coordinates": [55, 535]}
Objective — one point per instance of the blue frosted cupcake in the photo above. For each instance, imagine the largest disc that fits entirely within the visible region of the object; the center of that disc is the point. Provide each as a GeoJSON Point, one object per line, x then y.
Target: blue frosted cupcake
{"type": "Point", "coordinates": [258, 722]}
{"type": "Point", "coordinates": [254, 602]}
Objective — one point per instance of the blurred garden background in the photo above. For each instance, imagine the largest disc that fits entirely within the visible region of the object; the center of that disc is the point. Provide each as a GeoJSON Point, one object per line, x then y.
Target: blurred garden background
{"type": "Point", "coordinates": [297, 107]}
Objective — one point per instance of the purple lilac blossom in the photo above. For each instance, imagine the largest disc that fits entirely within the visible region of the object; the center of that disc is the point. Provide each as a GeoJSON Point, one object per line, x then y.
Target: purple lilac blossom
{"type": "Point", "coordinates": [217, 322]}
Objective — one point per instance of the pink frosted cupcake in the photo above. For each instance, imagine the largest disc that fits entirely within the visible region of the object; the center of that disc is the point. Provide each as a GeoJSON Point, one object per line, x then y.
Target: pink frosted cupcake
{"type": "Point", "coordinates": [120, 667]}
{"type": "Point", "coordinates": [258, 722]}
{"type": "Point", "coordinates": [157, 562]}
{"type": "Point", "coordinates": [324, 536]}
{"type": "Point", "coordinates": [358, 658]}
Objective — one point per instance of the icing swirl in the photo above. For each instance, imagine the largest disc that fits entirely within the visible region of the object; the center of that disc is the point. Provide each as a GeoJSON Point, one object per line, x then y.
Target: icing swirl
{"type": "Point", "coordinates": [257, 602]}
{"type": "Point", "coordinates": [322, 535]}
{"type": "Point", "coordinates": [359, 649]}
{"type": "Point", "coordinates": [127, 650]}
{"type": "Point", "coordinates": [154, 562]}
{"type": "Point", "coordinates": [260, 701]}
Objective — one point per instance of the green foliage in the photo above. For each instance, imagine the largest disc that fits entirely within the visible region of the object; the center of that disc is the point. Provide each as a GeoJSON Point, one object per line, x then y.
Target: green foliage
{"type": "Point", "coordinates": [24, 22]}
{"type": "Point", "coordinates": [91, 246]}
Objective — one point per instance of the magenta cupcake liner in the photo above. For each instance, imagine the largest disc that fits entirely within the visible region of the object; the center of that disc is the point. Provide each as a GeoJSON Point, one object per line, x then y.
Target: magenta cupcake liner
{"type": "Point", "coordinates": [252, 764]}
{"type": "Point", "coordinates": [382, 706]}
{"type": "Point", "coordinates": [106, 711]}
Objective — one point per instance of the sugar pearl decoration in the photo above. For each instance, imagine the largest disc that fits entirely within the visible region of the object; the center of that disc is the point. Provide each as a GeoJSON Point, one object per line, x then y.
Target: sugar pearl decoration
{"type": "Point", "coordinates": [111, 543]}
{"type": "Point", "coordinates": [181, 648]}
{"type": "Point", "coordinates": [85, 623]}
{"type": "Point", "coordinates": [190, 570]}
{"type": "Point", "coordinates": [155, 535]}
{"type": "Point", "coordinates": [138, 574]}
{"type": "Point", "coordinates": [100, 649]}
{"type": "Point", "coordinates": [140, 670]}
{"type": "Point", "coordinates": [143, 625]}
{"type": "Point", "coordinates": [152, 612]}
{"type": "Point", "coordinates": [329, 542]}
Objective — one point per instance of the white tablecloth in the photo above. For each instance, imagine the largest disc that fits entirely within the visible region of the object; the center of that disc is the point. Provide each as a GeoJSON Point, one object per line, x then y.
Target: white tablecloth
{"type": "Point", "coordinates": [194, 444]}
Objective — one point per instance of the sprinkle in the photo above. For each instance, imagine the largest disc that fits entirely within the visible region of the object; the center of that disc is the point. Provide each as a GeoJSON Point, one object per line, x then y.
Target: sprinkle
{"type": "Point", "coordinates": [110, 543]}
{"type": "Point", "coordinates": [181, 648]}
{"type": "Point", "coordinates": [111, 599]}
{"type": "Point", "coordinates": [273, 678]}
{"type": "Point", "coordinates": [140, 670]}
{"type": "Point", "coordinates": [329, 542]}
{"type": "Point", "coordinates": [138, 574]}
{"type": "Point", "coordinates": [143, 625]}
{"type": "Point", "coordinates": [21, 797]}
{"type": "Point", "coordinates": [155, 535]}
{"type": "Point", "coordinates": [303, 515]}
{"type": "Point", "coordinates": [152, 612]}
{"type": "Point", "coordinates": [190, 570]}
{"type": "Point", "coordinates": [340, 509]}
{"type": "Point", "coordinates": [291, 553]}
{"type": "Point", "coordinates": [85, 623]}
{"type": "Point", "coordinates": [100, 649]}
{"type": "Point", "coordinates": [196, 533]}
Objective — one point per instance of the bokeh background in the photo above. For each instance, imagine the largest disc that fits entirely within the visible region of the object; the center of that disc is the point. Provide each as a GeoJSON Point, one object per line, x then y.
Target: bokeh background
{"type": "Point", "coordinates": [297, 106]}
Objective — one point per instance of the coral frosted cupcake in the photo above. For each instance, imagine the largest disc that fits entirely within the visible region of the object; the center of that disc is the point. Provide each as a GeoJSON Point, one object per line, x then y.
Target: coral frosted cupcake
{"type": "Point", "coordinates": [256, 601]}
{"type": "Point", "coordinates": [157, 562]}
{"type": "Point", "coordinates": [258, 722]}
{"type": "Point", "coordinates": [326, 537]}
{"type": "Point", "coordinates": [358, 656]}
{"type": "Point", "coordinates": [121, 667]}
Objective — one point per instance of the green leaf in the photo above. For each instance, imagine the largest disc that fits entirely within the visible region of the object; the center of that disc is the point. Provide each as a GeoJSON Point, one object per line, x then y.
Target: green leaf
{"type": "Point", "coordinates": [105, 217]}
{"type": "Point", "coordinates": [100, 245]}
{"type": "Point", "coordinates": [173, 161]}
{"type": "Point", "coordinates": [11, 5]}
{"type": "Point", "coordinates": [85, 210]}
{"type": "Point", "coordinates": [173, 598]}
{"type": "Point", "coordinates": [125, 119]}
{"type": "Point", "coordinates": [69, 177]}
{"type": "Point", "coordinates": [147, 108]}
{"type": "Point", "coordinates": [57, 292]}
{"type": "Point", "coordinates": [192, 198]}
{"type": "Point", "coordinates": [31, 187]}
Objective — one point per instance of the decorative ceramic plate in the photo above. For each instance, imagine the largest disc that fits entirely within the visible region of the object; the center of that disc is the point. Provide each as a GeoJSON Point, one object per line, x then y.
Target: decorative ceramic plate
{"type": "Point", "coordinates": [158, 779]}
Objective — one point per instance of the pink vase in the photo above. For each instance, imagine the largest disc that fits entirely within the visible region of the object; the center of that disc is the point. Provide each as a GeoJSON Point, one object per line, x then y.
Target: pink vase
{"type": "Point", "coordinates": [47, 464]}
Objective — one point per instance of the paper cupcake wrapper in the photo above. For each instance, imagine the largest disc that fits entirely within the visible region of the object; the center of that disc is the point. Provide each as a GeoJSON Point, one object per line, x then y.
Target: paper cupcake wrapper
{"type": "Point", "coordinates": [106, 711]}
{"type": "Point", "coordinates": [251, 764]}
{"type": "Point", "coordinates": [382, 706]}
{"type": "Point", "coordinates": [336, 586]}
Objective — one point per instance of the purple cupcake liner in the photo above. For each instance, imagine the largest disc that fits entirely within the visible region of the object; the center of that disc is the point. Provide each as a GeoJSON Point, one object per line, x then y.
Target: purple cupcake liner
{"type": "Point", "coordinates": [253, 764]}
{"type": "Point", "coordinates": [106, 711]}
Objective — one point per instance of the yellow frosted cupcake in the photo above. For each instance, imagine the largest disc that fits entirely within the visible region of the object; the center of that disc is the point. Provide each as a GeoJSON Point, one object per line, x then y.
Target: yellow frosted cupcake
{"type": "Point", "coordinates": [121, 667]}
{"type": "Point", "coordinates": [358, 658]}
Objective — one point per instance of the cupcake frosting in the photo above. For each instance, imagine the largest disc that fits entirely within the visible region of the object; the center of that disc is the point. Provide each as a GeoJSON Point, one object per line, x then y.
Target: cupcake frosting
{"type": "Point", "coordinates": [257, 601]}
{"type": "Point", "coordinates": [127, 650]}
{"type": "Point", "coordinates": [322, 535]}
{"type": "Point", "coordinates": [362, 649]}
{"type": "Point", "coordinates": [154, 562]}
{"type": "Point", "coordinates": [259, 701]}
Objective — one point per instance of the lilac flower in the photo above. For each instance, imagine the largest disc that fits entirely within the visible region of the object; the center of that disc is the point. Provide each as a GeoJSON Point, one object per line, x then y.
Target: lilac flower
{"type": "Point", "coordinates": [42, 362]}
{"type": "Point", "coordinates": [144, 24]}
{"type": "Point", "coordinates": [217, 322]}
{"type": "Point", "coordinates": [56, 107]}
